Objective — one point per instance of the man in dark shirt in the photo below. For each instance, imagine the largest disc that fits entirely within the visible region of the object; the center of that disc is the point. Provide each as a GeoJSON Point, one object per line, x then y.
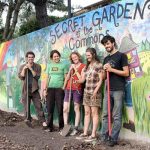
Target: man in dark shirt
{"type": "Point", "coordinates": [32, 72]}
{"type": "Point", "coordinates": [116, 64]}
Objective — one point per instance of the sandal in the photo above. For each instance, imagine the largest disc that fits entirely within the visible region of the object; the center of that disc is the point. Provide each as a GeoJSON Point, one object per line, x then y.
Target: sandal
{"type": "Point", "coordinates": [90, 139]}
{"type": "Point", "coordinates": [82, 136]}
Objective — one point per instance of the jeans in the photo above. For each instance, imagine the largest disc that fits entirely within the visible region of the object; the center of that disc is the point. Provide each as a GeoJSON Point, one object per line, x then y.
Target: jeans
{"type": "Point", "coordinates": [116, 99]}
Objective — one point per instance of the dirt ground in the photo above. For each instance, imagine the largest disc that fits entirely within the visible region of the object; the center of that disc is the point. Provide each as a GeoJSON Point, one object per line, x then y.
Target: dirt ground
{"type": "Point", "coordinates": [16, 135]}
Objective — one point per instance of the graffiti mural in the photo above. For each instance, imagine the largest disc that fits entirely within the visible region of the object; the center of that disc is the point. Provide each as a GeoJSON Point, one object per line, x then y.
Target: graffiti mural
{"type": "Point", "coordinates": [127, 21]}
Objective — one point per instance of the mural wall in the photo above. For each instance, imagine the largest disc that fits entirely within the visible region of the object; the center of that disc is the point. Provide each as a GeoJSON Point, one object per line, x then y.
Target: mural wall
{"type": "Point", "coordinates": [127, 21]}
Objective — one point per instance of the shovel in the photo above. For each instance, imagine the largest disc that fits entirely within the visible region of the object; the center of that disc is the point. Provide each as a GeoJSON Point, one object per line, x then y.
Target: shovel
{"type": "Point", "coordinates": [109, 107]}
{"type": "Point", "coordinates": [67, 127]}
{"type": "Point", "coordinates": [27, 121]}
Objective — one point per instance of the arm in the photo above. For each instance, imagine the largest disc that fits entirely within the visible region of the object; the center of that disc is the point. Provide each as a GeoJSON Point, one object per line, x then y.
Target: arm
{"type": "Point", "coordinates": [21, 73]}
{"type": "Point", "coordinates": [36, 74]}
{"type": "Point", "coordinates": [47, 80]}
{"type": "Point", "coordinates": [46, 85]}
{"type": "Point", "coordinates": [67, 76]}
{"type": "Point", "coordinates": [124, 72]}
{"type": "Point", "coordinates": [98, 85]}
{"type": "Point", "coordinates": [82, 77]}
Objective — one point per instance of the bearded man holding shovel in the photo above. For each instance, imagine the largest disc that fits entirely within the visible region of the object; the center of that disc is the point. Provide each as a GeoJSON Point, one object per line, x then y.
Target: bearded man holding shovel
{"type": "Point", "coordinates": [116, 66]}
{"type": "Point", "coordinates": [30, 73]}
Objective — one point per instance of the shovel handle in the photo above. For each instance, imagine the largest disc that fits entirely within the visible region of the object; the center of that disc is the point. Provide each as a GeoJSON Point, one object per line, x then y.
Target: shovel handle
{"type": "Point", "coordinates": [109, 107]}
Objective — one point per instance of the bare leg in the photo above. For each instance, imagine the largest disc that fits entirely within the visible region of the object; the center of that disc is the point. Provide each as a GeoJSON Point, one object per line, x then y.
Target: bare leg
{"type": "Point", "coordinates": [65, 112]}
{"type": "Point", "coordinates": [95, 120]}
{"type": "Point", "coordinates": [77, 114]}
{"type": "Point", "coordinates": [87, 118]}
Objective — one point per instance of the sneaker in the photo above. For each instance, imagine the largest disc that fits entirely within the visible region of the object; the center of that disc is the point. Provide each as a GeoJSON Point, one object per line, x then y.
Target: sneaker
{"type": "Point", "coordinates": [103, 139]}
{"type": "Point", "coordinates": [44, 125]}
{"type": "Point", "coordinates": [90, 139]}
{"type": "Point", "coordinates": [74, 132]}
{"type": "Point", "coordinates": [111, 143]}
{"type": "Point", "coordinates": [82, 136]}
{"type": "Point", "coordinates": [49, 129]}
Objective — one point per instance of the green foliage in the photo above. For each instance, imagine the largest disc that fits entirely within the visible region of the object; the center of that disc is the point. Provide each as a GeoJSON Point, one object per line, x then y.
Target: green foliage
{"type": "Point", "coordinates": [29, 26]}
{"type": "Point", "coordinates": [54, 19]}
{"type": "Point", "coordinates": [33, 25]}
{"type": "Point", "coordinates": [56, 5]}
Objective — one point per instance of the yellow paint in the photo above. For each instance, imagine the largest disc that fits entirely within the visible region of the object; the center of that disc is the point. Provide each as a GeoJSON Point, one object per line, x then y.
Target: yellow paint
{"type": "Point", "coordinates": [129, 56]}
{"type": "Point", "coordinates": [43, 74]}
{"type": "Point", "coordinates": [145, 60]}
{"type": "Point", "coordinates": [1, 48]}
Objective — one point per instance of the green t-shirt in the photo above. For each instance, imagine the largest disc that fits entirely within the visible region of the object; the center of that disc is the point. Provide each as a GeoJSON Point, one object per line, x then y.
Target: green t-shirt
{"type": "Point", "coordinates": [56, 73]}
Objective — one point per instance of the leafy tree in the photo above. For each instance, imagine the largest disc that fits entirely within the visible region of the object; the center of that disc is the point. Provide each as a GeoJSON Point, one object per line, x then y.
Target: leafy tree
{"type": "Point", "coordinates": [29, 26]}
{"type": "Point", "coordinates": [33, 25]}
{"type": "Point", "coordinates": [14, 7]}
{"type": "Point", "coordinates": [41, 9]}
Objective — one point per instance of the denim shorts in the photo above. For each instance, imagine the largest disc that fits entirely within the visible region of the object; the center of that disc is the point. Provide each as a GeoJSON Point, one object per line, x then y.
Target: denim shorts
{"type": "Point", "coordinates": [76, 96]}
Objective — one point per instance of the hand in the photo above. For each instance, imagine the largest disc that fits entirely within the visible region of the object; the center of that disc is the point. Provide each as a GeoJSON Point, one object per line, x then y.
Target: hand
{"type": "Point", "coordinates": [29, 67]}
{"type": "Point", "coordinates": [25, 67]}
{"type": "Point", "coordinates": [107, 67]}
{"type": "Point", "coordinates": [94, 94]}
{"type": "Point", "coordinates": [45, 93]}
{"type": "Point", "coordinates": [72, 67]}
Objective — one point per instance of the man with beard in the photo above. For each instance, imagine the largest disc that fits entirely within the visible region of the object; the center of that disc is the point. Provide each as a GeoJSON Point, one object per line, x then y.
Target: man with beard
{"type": "Point", "coordinates": [30, 73]}
{"type": "Point", "coordinates": [116, 64]}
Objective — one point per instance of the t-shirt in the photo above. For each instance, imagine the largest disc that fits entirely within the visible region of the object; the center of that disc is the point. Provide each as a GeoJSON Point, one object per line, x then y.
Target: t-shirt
{"type": "Point", "coordinates": [56, 72]}
{"type": "Point", "coordinates": [117, 61]}
{"type": "Point", "coordinates": [74, 85]}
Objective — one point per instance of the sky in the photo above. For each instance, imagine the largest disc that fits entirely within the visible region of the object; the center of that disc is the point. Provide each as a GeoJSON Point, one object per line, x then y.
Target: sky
{"type": "Point", "coordinates": [76, 3]}
{"type": "Point", "coordinates": [82, 3]}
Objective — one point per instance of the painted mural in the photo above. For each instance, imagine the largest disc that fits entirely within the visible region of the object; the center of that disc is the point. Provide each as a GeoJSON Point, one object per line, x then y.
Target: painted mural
{"type": "Point", "coordinates": [128, 21]}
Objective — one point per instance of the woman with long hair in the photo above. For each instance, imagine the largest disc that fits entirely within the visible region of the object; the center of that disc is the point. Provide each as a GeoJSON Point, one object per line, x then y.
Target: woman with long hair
{"type": "Point", "coordinates": [93, 75]}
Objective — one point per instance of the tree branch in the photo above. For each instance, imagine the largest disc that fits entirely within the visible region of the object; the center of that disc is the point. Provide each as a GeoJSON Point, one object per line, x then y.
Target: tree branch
{"type": "Point", "coordinates": [8, 19]}
{"type": "Point", "coordinates": [15, 17]}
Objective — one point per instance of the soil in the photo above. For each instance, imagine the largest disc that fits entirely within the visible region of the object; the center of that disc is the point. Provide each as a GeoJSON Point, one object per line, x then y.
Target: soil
{"type": "Point", "coordinates": [16, 135]}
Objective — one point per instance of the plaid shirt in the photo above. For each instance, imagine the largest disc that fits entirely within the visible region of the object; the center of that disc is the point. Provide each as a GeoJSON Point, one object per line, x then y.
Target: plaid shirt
{"type": "Point", "coordinates": [92, 77]}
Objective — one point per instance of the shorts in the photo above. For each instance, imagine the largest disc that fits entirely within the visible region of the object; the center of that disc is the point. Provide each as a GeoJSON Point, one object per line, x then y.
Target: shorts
{"type": "Point", "coordinates": [76, 96]}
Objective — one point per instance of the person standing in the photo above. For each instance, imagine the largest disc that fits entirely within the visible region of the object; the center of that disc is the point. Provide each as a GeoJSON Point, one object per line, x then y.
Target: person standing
{"type": "Point", "coordinates": [73, 90]}
{"type": "Point", "coordinates": [116, 64]}
{"type": "Point", "coordinates": [56, 72]}
{"type": "Point", "coordinates": [32, 72]}
{"type": "Point", "coordinates": [92, 97]}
